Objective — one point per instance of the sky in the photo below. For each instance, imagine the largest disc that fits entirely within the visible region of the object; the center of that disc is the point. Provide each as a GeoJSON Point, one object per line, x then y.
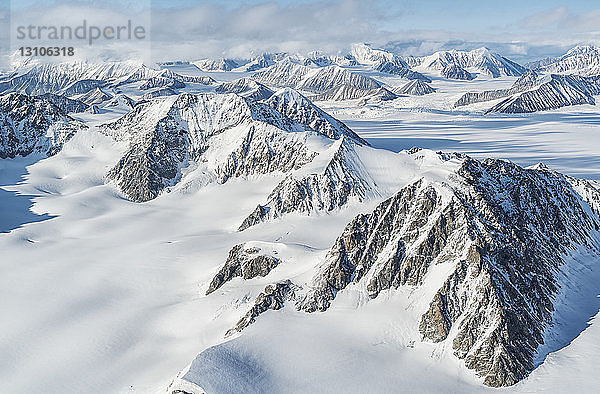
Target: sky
{"type": "Point", "coordinates": [191, 29]}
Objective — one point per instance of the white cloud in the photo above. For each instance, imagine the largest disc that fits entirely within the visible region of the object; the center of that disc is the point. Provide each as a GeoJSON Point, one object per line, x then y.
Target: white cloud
{"type": "Point", "coordinates": [212, 29]}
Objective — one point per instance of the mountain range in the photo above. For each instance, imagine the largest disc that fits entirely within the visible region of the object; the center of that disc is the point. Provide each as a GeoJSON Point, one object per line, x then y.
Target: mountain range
{"type": "Point", "coordinates": [471, 262]}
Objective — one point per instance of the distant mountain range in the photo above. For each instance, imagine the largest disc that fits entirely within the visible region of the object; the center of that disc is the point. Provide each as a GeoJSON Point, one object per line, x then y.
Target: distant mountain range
{"type": "Point", "coordinates": [580, 60]}
{"type": "Point", "coordinates": [481, 61]}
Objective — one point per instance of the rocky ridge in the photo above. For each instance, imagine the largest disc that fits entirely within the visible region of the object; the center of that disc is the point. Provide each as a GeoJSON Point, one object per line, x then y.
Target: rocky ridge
{"type": "Point", "coordinates": [33, 124]}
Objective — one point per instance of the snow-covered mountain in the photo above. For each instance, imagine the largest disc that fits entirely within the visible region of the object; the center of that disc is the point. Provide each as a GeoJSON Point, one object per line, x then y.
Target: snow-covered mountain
{"type": "Point", "coordinates": [415, 88]}
{"type": "Point", "coordinates": [120, 100]}
{"type": "Point", "coordinates": [316, 80]}
{"type": "Point", "coordinates": [453, 71]}
{"type": "Point", "coordinates": [384, 61]}
{"type": "Point", "coordinates": [246, 87]}
{"type": "Point", "coordinates": [524, 82]}
{"type": "Point", "coordinates": [484, 262]}
{"type": "Point", "coordinates": [224, 135]}
{"type": "Point", "coordinates": [94, 96]}
{"type": "Point", "coordinates": [581, 60]}
{"type": "Point", "coordinates": [320, 59]}
{"type": "Point", "coordinates": [259, 62]}
{"type": "Point", "coordinates": [160, 92]}
{"type": "Point", "coordinates": [336, 177]}
{"type": "Point", "coordinates": [365, 54]}
{"type": "Point", "coordinates": [532, 93]}
{"type": "Point", "coordinates": [553, 91]}
{"type": "Point", "coordinates": [33, 124]}
{"type": "Point", "coordinates": [65, 104]}
{"type": "Point", "coordinates": [496, 299]}
{"type": "Point", "coordinates": [53, 77]}
{"type": "Point", "coordinates": [221, 64]}
{"type": "Point", "coordinates": [481, 61]}
{"type": "Point", "coordinates": [349, 92]}
{"type": "Point", "coordinates": [300, 109]}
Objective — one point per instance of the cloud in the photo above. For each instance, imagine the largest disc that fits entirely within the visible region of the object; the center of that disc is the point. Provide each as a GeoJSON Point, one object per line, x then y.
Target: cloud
{"type": "Point", "coordinates": [253, 28]}
{"type": "Point", "coordinates": [215, 29]}
{"type": "Point", "coordinates": [545, 19]}
{"type": "Point", "coordinates": [561, 19]}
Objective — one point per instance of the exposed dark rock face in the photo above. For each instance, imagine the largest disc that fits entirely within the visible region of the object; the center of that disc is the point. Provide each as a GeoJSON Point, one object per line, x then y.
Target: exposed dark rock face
{"type": "Point", "coordinates": [162, 82]}
{"type": "Point", "coordinates": [530, 93]}
{"type": "Point", "coordinates": [273, 298]}
{"type": "Point", "coordinates": [348, 92]}
{"type": "Point", "coordinates": [415, 88]}
{"type": "Point", "coordinates": [401, 70]}
{"type": "Point", "coordinates": [246, 262]}
{"type": "Point", "coordinates": [163, 137]}
{"type": "Point", "coordinates": [395, 225]}
{"type": "Point", "coordinates": [65, 104]}
{"type": "Point", "coordinates": [166, 135]}
{"type": "Point", "coordinates": [506, 251]}
{"type": "Point", "coordinates": [524, 82]}
{"type": "Point", "coordinates": [292, 75]}
{"type": "Point", "coordinates": [297, 107]}
{"type": "Point", "coordinates": [552, 92]}
{"type": "Point", "coordinates": [341, 180]}
{"type": "Point", "coordinates": [246, 87]}
{"type": "Point", "coordinates": [33, 124]}
{"type": "Point", "coordinates": [453, 71]}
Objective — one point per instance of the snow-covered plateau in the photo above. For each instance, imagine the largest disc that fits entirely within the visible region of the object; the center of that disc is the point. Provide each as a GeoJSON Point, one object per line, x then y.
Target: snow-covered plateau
{"type": "Point", "coordinates": [357, 222]}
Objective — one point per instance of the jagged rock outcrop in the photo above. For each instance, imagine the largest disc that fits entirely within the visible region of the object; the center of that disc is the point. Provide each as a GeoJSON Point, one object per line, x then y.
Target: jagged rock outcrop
{"type": "Point", "coordinates": [228, 135]}
{"type": "Point", "coordinates": [487, 222]}
{"type": "Point", "coordinates": [349, 92]}
{"type": "Point", "coordinates": [415, 88]}
{"type": "Point", "coordinates": [246, 87]}
{"type": "Point", "coordinates": [67, 78]}
{"type": "Point", "coordinates": [297, 107]}
{"type": "Point", "coordinates": [552, 92]}
{"type": "Point", "coordinates": [343, 179]}
{"type": "Point", "coordinates": [581, 60]}
{"type": "Point", "coordinates": [162, 82]}
{"type": "Point", "coordinates": [526, 81]}
{"type": "Point", "coordinates": [65, 104]}
{"type": "Point", "coordinates": [402, 70]}
{"type": "Point", "coordinates": [33, 124]}
{"type": "Point", "coordinates": [94, 96]}
{"type": "Point", "coordinates": [161, 92]}
{"type": "Point", "coordinates": [246, 261]}
{"type": "Point", "coordinates": [452, 71]}
{"type": "Point", "coordinates": [221, 64]}
{"type": "Point", "coordinates": [480, 60]}
{"type": "Point", "coordinates": [290, 74]}
{"type": "Point", "coordinates": [272, 298]}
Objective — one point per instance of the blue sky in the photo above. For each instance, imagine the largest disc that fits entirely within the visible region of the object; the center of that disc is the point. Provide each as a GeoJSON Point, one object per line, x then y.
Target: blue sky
{"type": "Point", "coordinates": [523, 30]}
